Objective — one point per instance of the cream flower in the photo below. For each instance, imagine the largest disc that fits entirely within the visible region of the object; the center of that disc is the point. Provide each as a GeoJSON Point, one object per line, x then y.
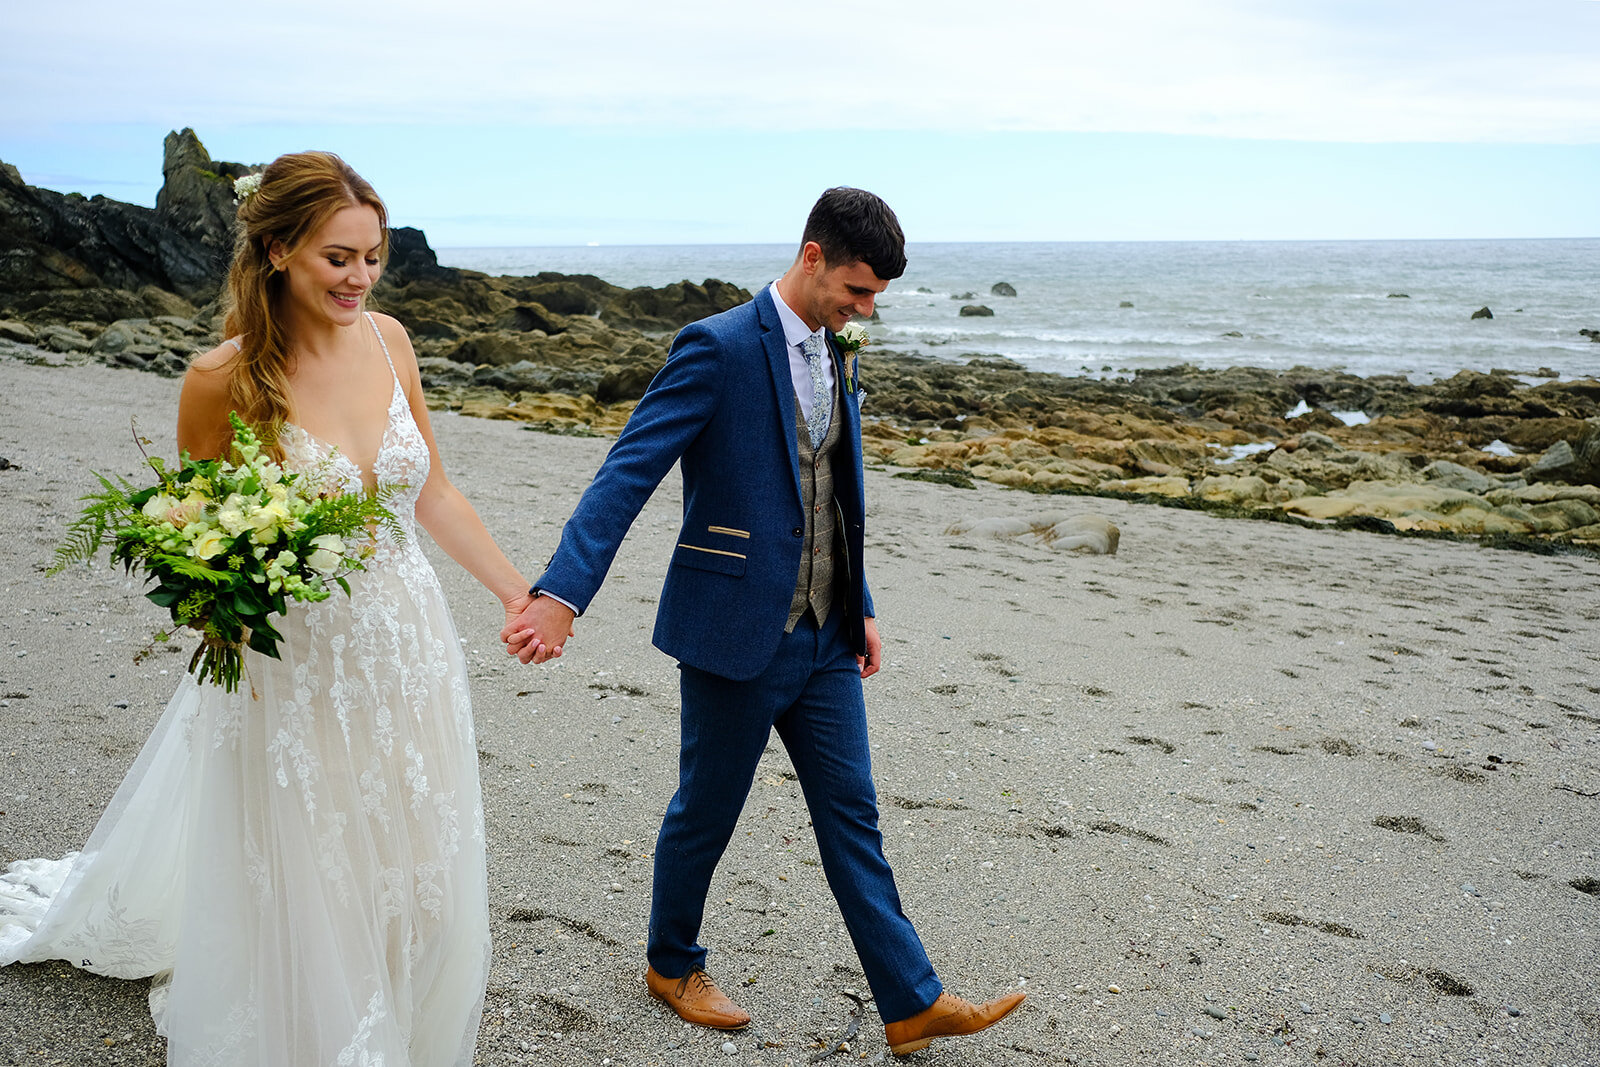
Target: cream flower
{"type": "Point", "coordinates": [159, 507]}
{"type": "Point", "coordinates": [268, 520]}
{"type": "Point", "coordinates": [328, 553]}
{"type": "Point", "coordinates": [232, 516]}
{"type": "Point", "coordinates": [853, 336]}
{"type": "Point", "coordinates": [209, 544]}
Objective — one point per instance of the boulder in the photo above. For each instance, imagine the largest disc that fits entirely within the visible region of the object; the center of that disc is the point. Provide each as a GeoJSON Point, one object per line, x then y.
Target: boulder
{"type": "Point", "coordinates": [1455, 476]}
{"type": "Point", "coordinates": [976, 311]}
{"type": "Point", "coordinates": [441, 373]}
{"type": "Point", "coordinates": [1483, 313]}
{"type": "Point", "coordinates": [1001, 289]}
{"type": "Point", "coordinates": [671, 307]}
{"type": "Point", "coordinates": [629, 382]}
{"type": "Point", "coordinates": [1091, 534]}
{"type": "Point", "coordinates": [1574, 463]}
{"type": "Point", "coordinates": [526, 377]}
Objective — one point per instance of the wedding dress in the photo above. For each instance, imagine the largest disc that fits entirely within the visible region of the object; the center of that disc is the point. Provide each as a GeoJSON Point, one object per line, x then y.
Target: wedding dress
{"type": "Point", "coordinates": [301, 868]}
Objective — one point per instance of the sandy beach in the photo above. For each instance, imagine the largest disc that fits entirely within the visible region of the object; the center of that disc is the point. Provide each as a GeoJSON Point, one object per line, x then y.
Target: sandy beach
{"type": "Point", "coordinates": [1241, 792]}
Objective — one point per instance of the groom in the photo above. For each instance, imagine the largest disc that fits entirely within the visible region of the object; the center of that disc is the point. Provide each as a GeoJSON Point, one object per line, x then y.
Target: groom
{"type": "Point", "coordinates": [765, 607]}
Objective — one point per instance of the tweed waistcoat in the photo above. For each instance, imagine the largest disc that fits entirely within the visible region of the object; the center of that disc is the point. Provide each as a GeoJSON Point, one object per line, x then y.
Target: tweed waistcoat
{"type": "Point", "coordinates": [814, 586]}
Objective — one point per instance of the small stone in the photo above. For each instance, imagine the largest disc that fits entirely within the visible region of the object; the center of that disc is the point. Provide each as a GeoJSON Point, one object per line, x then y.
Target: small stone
{"type": "Point", "coordinates": [615, 887]}
{"type": "Point", "coordinates": [119, 703]}
{"type": "Point", "coordinates": [1113, 989]}
{"type": "Point", "coordinates": [1513, 1012]}
{"type": "Point", "coordinates": [730, 1048]}
{"type": "Point", "coordinates": [1215, 1012]}
{"type": "Point", "coordinates": [1251, 1057]}
{"type": "Point", "coordinates": [1305, 1007]}
{"type": "Point", "coordinates": [1386, 1018]}
{"type": "Point", "coordinates": [1469, 889]}
{"type": "Point", "coordinates": [1431, 746]}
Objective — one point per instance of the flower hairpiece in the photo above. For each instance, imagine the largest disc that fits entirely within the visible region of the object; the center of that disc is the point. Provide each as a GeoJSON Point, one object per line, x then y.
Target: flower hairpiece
{"type": "Point", "coordinates": [246, 186]}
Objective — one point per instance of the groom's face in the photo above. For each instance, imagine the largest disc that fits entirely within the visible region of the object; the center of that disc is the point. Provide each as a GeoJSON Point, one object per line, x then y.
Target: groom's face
{"type": "Point", "coordinates": [838, 293]}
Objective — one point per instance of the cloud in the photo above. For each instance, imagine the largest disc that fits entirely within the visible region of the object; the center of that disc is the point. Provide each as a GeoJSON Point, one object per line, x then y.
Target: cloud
{"type": "Point", "coordinates": [1320, 70]}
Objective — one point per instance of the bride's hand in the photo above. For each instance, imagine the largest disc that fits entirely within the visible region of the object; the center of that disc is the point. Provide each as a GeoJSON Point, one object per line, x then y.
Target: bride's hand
{"type": "Point", "coordinates": [516, 605]}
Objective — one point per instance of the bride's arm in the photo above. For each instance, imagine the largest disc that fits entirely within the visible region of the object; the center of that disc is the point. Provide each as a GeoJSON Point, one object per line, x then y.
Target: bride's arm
{"type": "Point", "coordinates": [442, 509]}
{"type": "Point", "coordinates": [203, 406]}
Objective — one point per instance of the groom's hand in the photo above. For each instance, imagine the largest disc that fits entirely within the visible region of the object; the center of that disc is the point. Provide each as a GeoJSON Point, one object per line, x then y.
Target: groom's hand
{"type": "Point", "coordinates": [870, 663]}
{"type": "Point", "coordinates": [540, 633]}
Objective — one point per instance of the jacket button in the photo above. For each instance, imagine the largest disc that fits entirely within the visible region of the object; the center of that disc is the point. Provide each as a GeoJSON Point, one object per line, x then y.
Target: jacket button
{"type": "Point", "coordinates": [799, 531]}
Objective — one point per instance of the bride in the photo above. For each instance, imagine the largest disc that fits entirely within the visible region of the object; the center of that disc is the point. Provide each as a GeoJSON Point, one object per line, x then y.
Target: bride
{"type": "Point", "coordinates": [300, 865]}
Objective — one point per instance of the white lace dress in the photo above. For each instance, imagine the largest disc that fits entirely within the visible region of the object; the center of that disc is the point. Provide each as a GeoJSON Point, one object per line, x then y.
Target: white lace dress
{"type": "Point", "coordinates": [301, 870]}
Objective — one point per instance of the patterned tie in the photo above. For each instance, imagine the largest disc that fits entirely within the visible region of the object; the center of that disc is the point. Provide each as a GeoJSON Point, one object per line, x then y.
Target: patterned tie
{"type": "Point", "coordinates": [821, 409]}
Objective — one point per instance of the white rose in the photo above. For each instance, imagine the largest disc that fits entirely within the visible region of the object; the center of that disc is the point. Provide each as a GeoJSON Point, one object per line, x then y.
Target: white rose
{"type": "Point", "coordinates": [208, 544]}
{"type": "Point", "coordinates": [158, 507]}
{"type": "Point", "coordinates": [267, 519]}
{"type": "Point", "coordinates": [327, 554]}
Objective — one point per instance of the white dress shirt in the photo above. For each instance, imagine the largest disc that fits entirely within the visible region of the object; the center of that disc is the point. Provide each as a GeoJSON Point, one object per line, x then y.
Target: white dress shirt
{"type": "Point", "coordinates": [795, 331]}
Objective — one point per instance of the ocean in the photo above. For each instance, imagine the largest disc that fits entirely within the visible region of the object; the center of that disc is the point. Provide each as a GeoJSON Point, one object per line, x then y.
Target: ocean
{"type": "Point", "coordinates": [1108, 309]}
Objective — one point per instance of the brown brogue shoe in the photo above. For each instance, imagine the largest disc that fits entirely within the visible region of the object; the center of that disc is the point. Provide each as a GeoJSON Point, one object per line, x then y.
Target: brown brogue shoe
{"type": "Point", "coordinates": [696, 999]}
{"type": "Point", "coordinates": [946, 1017]}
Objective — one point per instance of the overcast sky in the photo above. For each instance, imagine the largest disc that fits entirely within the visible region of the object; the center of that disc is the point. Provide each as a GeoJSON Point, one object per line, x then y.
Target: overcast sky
{"type": "Point", "coordinates": [634, 121]}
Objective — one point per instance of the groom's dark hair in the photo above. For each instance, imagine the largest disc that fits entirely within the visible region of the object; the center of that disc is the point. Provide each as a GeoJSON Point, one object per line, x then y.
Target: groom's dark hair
{"type": "Point", "coordinates": [853, 226]}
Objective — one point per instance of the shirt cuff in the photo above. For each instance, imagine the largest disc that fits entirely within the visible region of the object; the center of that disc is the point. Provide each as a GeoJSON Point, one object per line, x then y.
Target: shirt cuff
{"type": "Point", "coordinates": [537, 592]}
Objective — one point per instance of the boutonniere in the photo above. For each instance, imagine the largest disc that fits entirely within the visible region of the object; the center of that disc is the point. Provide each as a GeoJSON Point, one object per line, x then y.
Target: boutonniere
{"type": "Point", "coordinates": [852, 339]}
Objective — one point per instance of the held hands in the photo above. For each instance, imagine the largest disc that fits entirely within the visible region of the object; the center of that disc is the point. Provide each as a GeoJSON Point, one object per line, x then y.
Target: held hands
{"type": "Point", "coordinates": [873, 660]}
{"type": "Point", "coordinates": [531, 635]}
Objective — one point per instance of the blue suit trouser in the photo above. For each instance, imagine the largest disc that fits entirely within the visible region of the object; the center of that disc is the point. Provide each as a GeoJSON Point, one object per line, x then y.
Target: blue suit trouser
{"type": "Point", "coordinates": [811, 693]}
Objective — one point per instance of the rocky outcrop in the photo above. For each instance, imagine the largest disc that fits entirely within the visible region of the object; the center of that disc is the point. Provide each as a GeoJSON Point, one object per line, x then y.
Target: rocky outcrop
{"type": "Point", "coordinates": [1476, 454]}
{"type": "Point", "coordinates": [196, 203]}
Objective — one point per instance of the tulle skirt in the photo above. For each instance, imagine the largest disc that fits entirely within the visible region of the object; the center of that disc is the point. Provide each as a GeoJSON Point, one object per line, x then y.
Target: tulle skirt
{"type": "Point", "coordinates": [299, 865]}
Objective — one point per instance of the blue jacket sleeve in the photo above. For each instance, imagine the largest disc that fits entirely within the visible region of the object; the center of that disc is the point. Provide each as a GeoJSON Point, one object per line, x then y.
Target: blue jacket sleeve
{"type": "Point", "coordinates": [674, 409]}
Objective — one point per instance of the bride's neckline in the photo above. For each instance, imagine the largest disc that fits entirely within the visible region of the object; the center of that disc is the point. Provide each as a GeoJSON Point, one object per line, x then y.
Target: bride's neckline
{"type": "Point", "coordinates": [369, 478]}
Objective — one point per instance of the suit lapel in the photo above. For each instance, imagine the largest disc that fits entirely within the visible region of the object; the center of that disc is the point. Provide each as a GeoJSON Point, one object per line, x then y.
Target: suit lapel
{"type": "Point", "coordinates": [776, 347]}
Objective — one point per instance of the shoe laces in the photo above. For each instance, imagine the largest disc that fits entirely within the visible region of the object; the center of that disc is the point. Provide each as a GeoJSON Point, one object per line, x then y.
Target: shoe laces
{"type": "Point", "coordinates": [701, 982]}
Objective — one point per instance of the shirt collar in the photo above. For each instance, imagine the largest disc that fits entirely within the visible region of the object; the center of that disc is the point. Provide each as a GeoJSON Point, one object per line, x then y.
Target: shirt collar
{"type": "Point", "coordinates": [794, 328]}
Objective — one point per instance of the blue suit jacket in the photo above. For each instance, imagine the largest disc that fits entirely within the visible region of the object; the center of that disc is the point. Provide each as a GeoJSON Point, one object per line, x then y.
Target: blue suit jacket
{"type": "Point", "coordinates": [724, 405]}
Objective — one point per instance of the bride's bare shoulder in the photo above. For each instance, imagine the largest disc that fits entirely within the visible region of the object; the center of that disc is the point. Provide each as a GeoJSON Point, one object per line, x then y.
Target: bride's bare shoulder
{"type": "Point", "coordinates": [219, 359]}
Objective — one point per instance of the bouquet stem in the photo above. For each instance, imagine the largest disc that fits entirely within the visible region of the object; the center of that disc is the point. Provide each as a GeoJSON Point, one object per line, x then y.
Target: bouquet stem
{"type": "Point", "coordinates": [217, 661]}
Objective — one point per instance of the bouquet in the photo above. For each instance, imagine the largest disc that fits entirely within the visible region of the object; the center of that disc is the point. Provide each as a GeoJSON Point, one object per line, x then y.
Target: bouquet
{"type": "Point", "coordinates": [228, 544]}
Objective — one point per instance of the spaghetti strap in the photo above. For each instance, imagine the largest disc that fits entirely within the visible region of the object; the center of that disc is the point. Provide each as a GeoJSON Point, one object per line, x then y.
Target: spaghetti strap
{"type": "Point", "coordinates": [382, 344]}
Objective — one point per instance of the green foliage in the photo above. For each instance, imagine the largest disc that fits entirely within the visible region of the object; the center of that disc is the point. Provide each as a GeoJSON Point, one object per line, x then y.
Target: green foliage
{"type": "Point", "coordinates": [226, 544]}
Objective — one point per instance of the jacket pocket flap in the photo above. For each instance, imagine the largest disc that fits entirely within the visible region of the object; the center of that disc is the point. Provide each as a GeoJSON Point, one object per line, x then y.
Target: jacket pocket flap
{"type": "Point", "coordinates": [709, 559]}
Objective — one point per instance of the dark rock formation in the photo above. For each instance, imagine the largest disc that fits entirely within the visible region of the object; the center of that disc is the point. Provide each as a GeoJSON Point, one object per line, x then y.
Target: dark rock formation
{"type": "Point", "coordinates": [969, 311]}
{"type": "Point", "coordinates": [1002, 289]}
{"type": "Point", "coordinates": [1483, 313]}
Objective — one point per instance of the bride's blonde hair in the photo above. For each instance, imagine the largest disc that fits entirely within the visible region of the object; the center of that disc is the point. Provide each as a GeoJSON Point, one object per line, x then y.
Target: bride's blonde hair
{"type": "Point", "coordinates": [297, 194]}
